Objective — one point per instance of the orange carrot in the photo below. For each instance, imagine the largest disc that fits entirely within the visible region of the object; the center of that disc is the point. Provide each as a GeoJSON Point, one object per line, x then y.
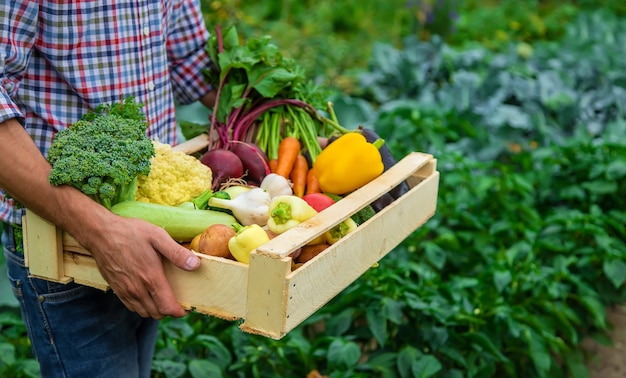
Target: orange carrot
{"type": "Point", "coordinates": [312, 184]}
{"type": "Point", "coordinates": [298, 175]}
{"type": "Point", "coordinates": [288, 150]}
{"type": "Point", "coordinates": [272, 164]}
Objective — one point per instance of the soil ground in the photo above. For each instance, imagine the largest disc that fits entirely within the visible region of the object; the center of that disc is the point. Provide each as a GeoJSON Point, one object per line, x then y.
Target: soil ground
{"type": "Point", "coordinates": [609, 361]}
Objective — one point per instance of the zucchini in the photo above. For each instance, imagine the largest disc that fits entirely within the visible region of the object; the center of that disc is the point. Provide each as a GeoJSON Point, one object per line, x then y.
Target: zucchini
{"type": "Point", "coordinates": [181, 223]}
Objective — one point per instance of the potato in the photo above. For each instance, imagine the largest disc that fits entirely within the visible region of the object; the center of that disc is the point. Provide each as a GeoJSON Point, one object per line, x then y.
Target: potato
{"type": "Point", "coordinates": [214, 241]}
{"type": "Point", "coordinates": [309, 251]}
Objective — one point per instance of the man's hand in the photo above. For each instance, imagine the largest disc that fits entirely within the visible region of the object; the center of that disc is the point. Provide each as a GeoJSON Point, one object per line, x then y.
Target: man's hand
{"type": "Point", "coordinates": [129, 256]}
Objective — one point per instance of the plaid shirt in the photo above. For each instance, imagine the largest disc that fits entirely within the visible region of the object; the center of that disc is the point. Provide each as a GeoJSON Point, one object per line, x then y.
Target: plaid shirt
{"type": "Point", "coordinates": [58, 59]}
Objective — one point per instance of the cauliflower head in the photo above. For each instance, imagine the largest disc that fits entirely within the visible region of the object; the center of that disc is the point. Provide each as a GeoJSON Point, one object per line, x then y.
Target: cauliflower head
{"type": "Point", "coordinates": [174, 177]}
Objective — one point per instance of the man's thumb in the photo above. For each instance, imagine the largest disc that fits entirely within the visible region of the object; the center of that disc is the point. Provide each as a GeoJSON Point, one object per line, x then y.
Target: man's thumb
{"type": "Point", "coordinates": [184, 258]}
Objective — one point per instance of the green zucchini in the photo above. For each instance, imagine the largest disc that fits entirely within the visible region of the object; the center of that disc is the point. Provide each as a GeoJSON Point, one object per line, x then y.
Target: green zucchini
{"type": "Point", "coordinates": [181, 223]}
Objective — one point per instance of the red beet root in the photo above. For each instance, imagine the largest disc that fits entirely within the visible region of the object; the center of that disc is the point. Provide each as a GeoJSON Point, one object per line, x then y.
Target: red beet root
{"type": "Point", "coordinates": [254, 161]}
{"type": "Point", "coordinates": [224, 165]}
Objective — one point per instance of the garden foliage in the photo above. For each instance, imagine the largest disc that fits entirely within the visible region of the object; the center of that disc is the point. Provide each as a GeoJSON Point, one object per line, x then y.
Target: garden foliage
{"type": "Point", "coordinates": [526, 250]}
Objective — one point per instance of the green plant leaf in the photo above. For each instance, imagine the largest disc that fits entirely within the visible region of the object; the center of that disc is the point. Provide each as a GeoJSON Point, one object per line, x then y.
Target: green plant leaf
{"type": "Point", "coordinates": [216, 350]}
{"type": "Point", "coordinates": [600, 187]}
{"type": "Point", "coordinates": [204, 369]}
{"type": "Point", "coordinates": [502, 278]}
{"type": "Point", "coordinates": [377, 323]}
{"type": "Point", "coordinates": [576, 364]}
{"type": "Point", "coordinates": [596, 310]}
{"type": "Point", "coordinates": [538, 351]}
{"type": "Point", "coordinates": [169, 368]}
{"type": "Point", "coordinates": [480, 340]}
{"type": "Point", "coordinates": [406, 357]}
{"type": "Point", "coordinates": [269, 81]}
{"type": "Point", "coordinates": [7, 354]}
{"type": "Point", "coordinates": [342, 354]}
{"type": "Point", "coordinates": [340, 323]}
{"type": "Point", "coordinates": [178, 329]}
{"type": "Point", "coordinates": [615, 271]}
{"type": "Point", "coordinates": [425, 366]}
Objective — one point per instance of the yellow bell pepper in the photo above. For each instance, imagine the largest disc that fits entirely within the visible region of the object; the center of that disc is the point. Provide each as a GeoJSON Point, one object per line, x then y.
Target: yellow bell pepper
{"type": "Point", "coordinates": [246, 240]}
{"type": "Point", "coordinates": [339, 231]}
{"type": "Point", "coordinates": [348, 163]}
{"type": "Point", "coordinates": [287, 211]}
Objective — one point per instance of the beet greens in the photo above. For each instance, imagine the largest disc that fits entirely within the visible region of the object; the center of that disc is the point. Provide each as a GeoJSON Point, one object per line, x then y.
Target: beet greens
{"type": "Point", "coordinates": [262, 96]}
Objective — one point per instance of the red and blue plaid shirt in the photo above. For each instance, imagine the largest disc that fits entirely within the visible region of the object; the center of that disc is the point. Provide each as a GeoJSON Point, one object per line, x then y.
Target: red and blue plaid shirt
{"type": "Point", "coordinates": [58, 59]}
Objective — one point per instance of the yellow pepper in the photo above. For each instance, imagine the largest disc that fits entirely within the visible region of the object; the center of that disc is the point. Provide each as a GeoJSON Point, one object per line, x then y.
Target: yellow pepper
{"type": "Point", "coordinates": [287, 211]}
{"type": "Point", "coordinates": [246, 240]}
{"type": "Point", "coordinates": [348, 163]}
{"type": "Point", "coordinates": [339, 231]}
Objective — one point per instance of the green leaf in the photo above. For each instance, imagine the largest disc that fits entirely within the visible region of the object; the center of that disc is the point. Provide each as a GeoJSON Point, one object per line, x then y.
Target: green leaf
{"type": "Point", "coordinates": [616, 170]}
{"type": "Point", "coordinates": [435, 255]}
{"type": "Point", "coordinates": [393, 310]}
{"type": "Point", "coordinates": [269, 81]}
{"type": "Point", "coordinates": [480, 340]}
{"type": "Point", "coordinates": [436, 336]}
{"type": "Point", "coordinates": [538, 351]}
{"type": "Point", "coordinates": [576, 365]}
{"type": "Point", "coordinates": [456, 355]}
{"type": "Point", "coordinates": [178, 329]}
{"type": "Point", "coordinates": [342, 354]}
{"type": "Point", "coordinates": [204, 369]}
{"type": "Point", "coordinates": [377, 323]}
{"type": "Point", "coordinates": [236, 58]}
{"type": "Point", "coordinates": [405, 360]}
{"type": "Point", "coordinates": [502, 278]}
{"type": "Point", "coordinates": [600, 187]}
{"type": "Point", "coordinates": [340, 323]}
{"type": "Point", "coordinates": [169, 368]}
{"type": "Point", "coordinates": [7, 354]}
{"type": "Point", "coordinates": [230, 37]}
{"type": "Point", "coordinates": [384, 363]}
{"type": "Point", "coordinates": [425, 366]}
{"type": "Point", "coordinates": [216, 350]}
{"type": "Point", "coordinates": [596, 309]}
{"type": "Point", "coordinates": [615, 271]}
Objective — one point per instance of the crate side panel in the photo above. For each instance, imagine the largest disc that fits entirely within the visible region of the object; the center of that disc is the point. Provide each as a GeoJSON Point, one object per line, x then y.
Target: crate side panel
{"type": "Point", "coordinates": [267, 291]}
{"type": "Point", "coordinates": [321, 279]}
{"type": "Point", "coordinates": [217, 288]}
{"type": "Point", "coordinates": [44, 249]}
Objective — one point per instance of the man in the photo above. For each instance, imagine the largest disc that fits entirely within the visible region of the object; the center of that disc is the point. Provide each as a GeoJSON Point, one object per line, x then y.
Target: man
{"type": "Point", "coordinates": [58, 59]}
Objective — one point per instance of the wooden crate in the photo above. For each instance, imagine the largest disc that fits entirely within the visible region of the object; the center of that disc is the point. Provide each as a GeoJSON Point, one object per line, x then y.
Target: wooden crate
{"type": "Point", "coordinates": [267, 294]}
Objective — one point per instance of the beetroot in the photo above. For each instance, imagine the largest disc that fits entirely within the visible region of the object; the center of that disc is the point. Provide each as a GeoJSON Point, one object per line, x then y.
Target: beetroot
{"type": "Point", "coordinates": [254, 160]}
{"type": "Point", "coordinates": [224, 165]}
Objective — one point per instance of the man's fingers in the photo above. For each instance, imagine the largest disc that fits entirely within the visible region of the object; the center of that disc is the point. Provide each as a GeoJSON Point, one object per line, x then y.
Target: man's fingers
{"type": "Point", "coordinates": [181, 257]}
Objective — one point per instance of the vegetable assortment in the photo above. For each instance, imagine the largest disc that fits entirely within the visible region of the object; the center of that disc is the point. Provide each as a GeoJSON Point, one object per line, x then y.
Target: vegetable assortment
{"type": "Point", "coordinates": [273, 161]}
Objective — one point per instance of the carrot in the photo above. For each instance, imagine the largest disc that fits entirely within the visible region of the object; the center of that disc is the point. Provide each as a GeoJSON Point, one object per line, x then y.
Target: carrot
{"type": "Point", "coordinates": [312, 184]}
{"type": "Point", "coordinates": [272, 164]}
{"type": "Point", "coordinates": [298, 175]}
{"type": "Point", "coordinates": [288, 150]}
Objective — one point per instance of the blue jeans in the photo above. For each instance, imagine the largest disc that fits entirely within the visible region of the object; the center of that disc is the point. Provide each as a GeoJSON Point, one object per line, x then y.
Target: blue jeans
{"type": "Point", "coordinates": [78, 331]}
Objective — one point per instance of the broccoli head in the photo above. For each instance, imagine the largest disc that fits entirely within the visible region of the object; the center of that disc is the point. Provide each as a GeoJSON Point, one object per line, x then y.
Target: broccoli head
{"type": "Point", "coordinates": [103, 153]}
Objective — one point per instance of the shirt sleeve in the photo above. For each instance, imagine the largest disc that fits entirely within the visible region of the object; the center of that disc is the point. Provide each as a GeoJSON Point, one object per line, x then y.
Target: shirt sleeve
{"type": "Point", "coordinates": [186, 44]}
{"type": "Point", "coordinates": [18, 29]}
